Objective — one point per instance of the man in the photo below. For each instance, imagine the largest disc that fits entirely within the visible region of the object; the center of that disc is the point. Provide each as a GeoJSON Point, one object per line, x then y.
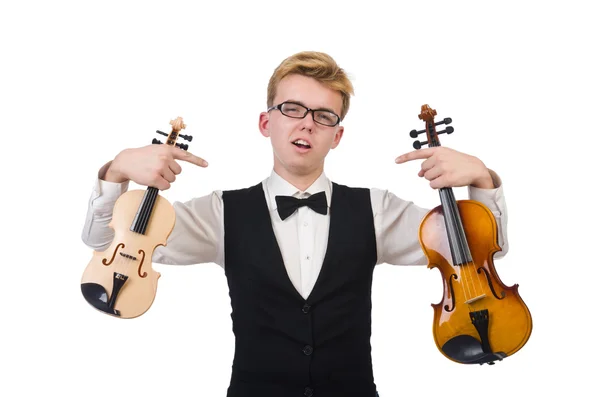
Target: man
{"type": "Point", "coordinates": [299, 278]}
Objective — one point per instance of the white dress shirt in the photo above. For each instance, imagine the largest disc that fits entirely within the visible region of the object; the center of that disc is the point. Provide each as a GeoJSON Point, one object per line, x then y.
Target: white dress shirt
{"type": "Point", "coordinates": [198, 234]}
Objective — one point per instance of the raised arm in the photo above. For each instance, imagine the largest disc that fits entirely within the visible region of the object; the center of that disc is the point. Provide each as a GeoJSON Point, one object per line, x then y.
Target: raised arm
{"type": "Point", "coordinates": [397, 221]}
{"type": "Point", "coordinates": [153, 165]}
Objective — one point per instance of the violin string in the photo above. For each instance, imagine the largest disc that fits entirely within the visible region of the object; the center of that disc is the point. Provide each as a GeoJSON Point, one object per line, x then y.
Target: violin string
{"type": "Point", "coordinates": [464, 266]}
{"type": "Point", "coordinates": [455, 221]}
{"type": "Point", "coordinates": [148, 204]}
{"type": "Point", "coordinates": [470, 265]}
{"type": "Point", "coordinates": [450, 203]}
{"type": "Point", "coordinates": [145, 209]}
{"type": "Point", "coordinates": [467, 254]}
{"type": "Point", "coordinates": [149, 207]}
{"type": "Point", "coordinates": [464, 249]}
{"type": "Point", "coordinates": [459, 268]}
{"type": "Point", "coordinates": [124, 264]}
{"type": "Point", "coordinates": [469, 262]}
{"type": "Point", "coordinates": [477, 276]}
{"type": "Point", "coordinates": [458, 239]}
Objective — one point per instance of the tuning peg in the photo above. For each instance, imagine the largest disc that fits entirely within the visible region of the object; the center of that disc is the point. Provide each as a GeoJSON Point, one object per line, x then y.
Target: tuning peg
{"type": "Point", "coordinates": [417, 145]}
{"type": "Point", "coordinates": [183, 146]}
{"type": "Point", "coordinates": [156, 141]}
{"type": "Point", "coordinates": [415, 133]}
{"type": "Point", "coordinates": [186, 137]}
{"type": "Point", "coordinates": [448, 130]}
{"type": "Point", "coordinates": [447, 120]}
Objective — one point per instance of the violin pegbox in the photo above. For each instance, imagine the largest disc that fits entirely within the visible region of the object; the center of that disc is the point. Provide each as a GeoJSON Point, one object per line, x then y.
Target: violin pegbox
{"type": "Point", "coordinates": [428, 115]}
{"type": "Point", "coordinates": [177, 125]}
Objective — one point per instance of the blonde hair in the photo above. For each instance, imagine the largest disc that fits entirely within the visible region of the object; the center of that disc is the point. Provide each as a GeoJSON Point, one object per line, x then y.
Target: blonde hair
{"type": "Point", "coordinates": [320, 67]}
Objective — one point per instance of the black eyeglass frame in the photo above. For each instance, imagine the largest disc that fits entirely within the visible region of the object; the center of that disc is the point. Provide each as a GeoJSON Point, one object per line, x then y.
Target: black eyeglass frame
{"type": "Point", "coordinates": [312, 111]}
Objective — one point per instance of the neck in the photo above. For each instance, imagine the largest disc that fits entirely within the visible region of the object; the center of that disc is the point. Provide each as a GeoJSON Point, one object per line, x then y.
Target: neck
{"type": "Point", "coordinates": [459, 247]}
{"type": "Point", "coordinates": [299, 181]}
{"type": "Point", "coordinates": [142, 217]}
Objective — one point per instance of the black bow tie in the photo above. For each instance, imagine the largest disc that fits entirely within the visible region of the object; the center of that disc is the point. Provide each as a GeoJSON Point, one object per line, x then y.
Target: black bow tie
{"type": "Point", "coordinates": [286, 205]}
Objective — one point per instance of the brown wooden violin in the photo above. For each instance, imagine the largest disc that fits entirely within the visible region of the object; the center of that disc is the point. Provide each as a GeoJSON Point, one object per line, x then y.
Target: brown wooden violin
{"type": "Point", "coordinates": [479, 319]}
{"type": "Point", "coordinates": [120, 281]}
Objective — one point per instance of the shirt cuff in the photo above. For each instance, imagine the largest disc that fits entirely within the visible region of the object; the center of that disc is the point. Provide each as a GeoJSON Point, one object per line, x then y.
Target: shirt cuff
{"type": "Point", "coordinates": [489, 197]}
{"type": "Point", "coordinates": [106, 193]}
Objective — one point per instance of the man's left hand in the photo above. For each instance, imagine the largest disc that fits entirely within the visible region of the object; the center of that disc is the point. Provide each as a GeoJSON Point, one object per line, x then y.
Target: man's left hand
{"type": "Point", "coordinates": [445, 167]}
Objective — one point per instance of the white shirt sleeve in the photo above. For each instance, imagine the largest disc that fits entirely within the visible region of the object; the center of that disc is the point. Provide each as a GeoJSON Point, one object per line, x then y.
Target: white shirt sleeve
{"type": "Point", "coordinates": [397, 223]}
{"type": "Point", "coordinates": [197, 236]}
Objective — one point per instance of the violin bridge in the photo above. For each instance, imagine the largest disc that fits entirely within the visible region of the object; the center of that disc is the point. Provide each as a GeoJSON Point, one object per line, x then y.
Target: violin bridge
{"type": "Point", "coordinates": [128, 256]}
{"type": "Point", "coordinates": [475, 299]}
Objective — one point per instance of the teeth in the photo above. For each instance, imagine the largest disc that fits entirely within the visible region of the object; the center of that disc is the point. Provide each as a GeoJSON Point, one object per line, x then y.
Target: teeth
{"type": "Point", "coordinates": [302, 141]}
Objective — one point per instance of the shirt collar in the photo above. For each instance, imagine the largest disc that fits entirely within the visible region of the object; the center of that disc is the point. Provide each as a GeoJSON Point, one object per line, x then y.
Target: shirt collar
{"type": "Point", "coordinates": [277, 186]}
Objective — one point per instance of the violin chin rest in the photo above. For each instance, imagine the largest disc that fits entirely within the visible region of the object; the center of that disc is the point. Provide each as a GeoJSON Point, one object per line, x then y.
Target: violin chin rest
{"type": "Point", "coordinates": [96, 295]}
{"type": "Point", "coordinates": [468, 350]}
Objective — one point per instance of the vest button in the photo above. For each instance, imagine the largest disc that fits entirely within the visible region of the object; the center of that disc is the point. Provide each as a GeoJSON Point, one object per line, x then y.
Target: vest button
{"type": "Point", "coordinates": [305, 309]}
{"type": "Point", "coordinates": [307, 350]}
{"type": "Point", "coordinates": [308, 392]}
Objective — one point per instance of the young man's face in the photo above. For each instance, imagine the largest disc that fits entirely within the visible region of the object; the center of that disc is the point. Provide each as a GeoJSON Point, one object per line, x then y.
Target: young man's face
{"type": "Point", "coordinates": [288, 157]}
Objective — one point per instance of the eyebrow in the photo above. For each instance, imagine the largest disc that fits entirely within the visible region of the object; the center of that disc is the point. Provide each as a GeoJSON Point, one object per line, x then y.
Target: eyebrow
{"type": "Point", "coordinates": [303, 104]}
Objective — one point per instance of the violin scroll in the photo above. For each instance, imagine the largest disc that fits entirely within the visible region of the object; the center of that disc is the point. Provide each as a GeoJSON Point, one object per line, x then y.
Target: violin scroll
{"type": "Point", "coordinates": [427, 114]}
{"type": "Point", "coordinates": [177, 125]}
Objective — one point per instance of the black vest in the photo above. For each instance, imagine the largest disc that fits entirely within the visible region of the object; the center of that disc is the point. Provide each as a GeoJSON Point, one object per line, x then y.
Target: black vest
{"type": "Point", "coordinates": [285, 345]}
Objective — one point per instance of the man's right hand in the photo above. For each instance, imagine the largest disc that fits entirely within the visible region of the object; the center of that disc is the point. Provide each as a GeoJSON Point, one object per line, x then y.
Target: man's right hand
{"type": "Point", "coordinates": [152, 165]}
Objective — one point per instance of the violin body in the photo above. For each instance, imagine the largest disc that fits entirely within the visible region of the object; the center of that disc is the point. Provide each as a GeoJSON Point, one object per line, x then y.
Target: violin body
{"type": "Point", "coordinates": [473, 289]}
{"type": "Point", "coordinates": [120, 280]}
{"type": "Point", "coordinates": [479, 319]}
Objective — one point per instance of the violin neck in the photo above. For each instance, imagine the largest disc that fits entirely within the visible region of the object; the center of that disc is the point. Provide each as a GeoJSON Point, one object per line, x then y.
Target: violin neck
{"type": "Point", "coordinates": [142, 217]}
{"type": "Point", "coordinates": [457, 239]}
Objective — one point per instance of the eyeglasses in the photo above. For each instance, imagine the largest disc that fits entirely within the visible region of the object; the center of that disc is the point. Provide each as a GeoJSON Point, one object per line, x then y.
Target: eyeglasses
{"type": "Point", "coordinates": [297, 111]}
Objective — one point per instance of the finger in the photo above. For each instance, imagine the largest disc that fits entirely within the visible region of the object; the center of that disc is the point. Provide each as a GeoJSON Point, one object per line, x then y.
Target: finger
{"type": "Point", "coordinates": [432, 173]}
{"type": "Point", "coordinates": [414, 155]}
{"type": "Point", "coordinates": [160, 183]}
{"type": "Point", "coordinates": [439, 182]}
{"type": "Point", "coordinates": [184, 155]}
{"type": "Point", "coordinates": [175, 167]}
{"type": "Point", "coordinates": [168, 175]}
{"type": "Point", "coordinates": [427, 164]}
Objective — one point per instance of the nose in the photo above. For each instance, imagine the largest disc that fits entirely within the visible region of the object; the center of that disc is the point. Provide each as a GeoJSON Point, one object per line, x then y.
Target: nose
{"type": "Point", "coordinates": [308, 122]}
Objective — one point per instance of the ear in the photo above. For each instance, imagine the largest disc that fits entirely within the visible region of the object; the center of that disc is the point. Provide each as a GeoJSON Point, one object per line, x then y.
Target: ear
{"type": "Point", "coordinates": [263, 124]}
{"type": "Point", "coordinates": [338, 137]}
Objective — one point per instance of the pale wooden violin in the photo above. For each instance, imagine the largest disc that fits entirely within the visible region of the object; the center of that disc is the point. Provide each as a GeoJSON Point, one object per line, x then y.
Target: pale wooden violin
{"type": "Point", "coordinates": [120, 280]}
{"type": "Point", "coordinates": [479, 319]}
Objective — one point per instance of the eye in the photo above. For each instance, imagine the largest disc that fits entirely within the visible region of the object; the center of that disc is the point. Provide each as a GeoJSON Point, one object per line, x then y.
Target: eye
{"type": "Point", "coordinates": [326, 117]}
{"type": "Point", "coordinates": [292, 108]}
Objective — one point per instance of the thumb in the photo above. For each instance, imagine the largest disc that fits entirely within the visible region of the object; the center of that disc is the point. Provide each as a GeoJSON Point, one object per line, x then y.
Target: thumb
{"type": "Point", "coordinates": [180, 154]}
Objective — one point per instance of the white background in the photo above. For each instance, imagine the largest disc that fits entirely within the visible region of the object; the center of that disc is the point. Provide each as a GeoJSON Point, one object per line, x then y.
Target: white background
{"type": "Point", "coordinates": [81, 81]}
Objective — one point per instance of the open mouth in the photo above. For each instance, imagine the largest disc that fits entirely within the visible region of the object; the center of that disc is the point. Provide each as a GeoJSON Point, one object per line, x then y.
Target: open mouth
{"type": "Point", "coordinates": [302, 144]}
